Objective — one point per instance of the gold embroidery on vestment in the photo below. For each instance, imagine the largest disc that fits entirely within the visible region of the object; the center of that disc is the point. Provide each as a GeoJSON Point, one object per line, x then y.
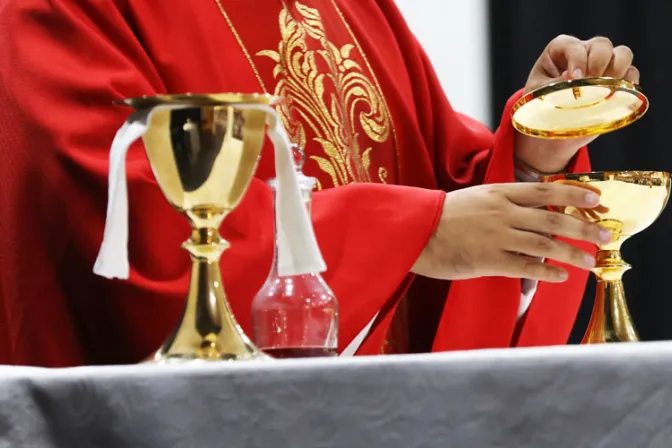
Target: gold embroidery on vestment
{"type": "Point", "coordinates": [397, 161]}
{"type": "Point", "coordinates": [326, 90]}
{"type": "Point", "coordinates": [335, 114]}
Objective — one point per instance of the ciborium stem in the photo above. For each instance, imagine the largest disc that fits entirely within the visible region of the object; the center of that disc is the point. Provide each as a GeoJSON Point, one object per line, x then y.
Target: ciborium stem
{"type": "Point", "coordinates": [610, 321]}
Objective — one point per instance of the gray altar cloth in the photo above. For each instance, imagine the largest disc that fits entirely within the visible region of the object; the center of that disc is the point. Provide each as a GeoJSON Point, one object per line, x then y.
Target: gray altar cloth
{"type": "Point", "coordinates": [570, 397]}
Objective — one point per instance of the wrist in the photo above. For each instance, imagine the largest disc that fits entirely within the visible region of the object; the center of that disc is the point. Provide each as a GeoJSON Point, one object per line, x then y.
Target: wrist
{"type": "Point", "coordinates": [525, 173]}
{"type": "Point", "coordinates": [543, 157]}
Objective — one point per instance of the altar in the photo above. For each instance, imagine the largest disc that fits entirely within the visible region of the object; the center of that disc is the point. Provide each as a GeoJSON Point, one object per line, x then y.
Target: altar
{"type": "Point", "coordinates": [614, 395]}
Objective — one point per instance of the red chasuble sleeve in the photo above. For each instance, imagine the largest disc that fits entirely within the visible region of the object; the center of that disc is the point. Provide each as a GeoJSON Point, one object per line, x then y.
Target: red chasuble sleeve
{"type": "Point", "coordinates": [483, 312]}
{"type": "Point", "coordinates": [63, 63]}
{"type": "Point", "coordinates": [478, 313]}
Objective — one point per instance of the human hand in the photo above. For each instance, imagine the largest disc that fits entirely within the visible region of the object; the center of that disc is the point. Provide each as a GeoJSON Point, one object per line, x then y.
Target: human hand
{"type": "Point", "coordinates": [564, 58]}
{"type": "Point", "coordinates": [499, 230]}
{"type": "Point", "coordinates": [589, 214]}
{"type": "Point", "coordinates": [567, 57]}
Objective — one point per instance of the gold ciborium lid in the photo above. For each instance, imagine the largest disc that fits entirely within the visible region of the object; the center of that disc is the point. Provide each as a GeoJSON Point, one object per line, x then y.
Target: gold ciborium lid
{"type": "Point", "coordinates": [579, 108]}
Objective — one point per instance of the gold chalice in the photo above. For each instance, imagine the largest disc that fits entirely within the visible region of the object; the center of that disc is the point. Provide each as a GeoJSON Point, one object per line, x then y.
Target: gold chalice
{"type": "Point", "coordinates": [203, 150]}
{"type": "Point", "coordinates": [630, 202]}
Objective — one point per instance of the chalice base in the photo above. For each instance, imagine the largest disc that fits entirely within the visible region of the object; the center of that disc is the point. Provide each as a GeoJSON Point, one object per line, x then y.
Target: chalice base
{"type": "Point", "coordinates": [230, 345]}
{"type": "Point", "coordinates": [208, 350]}
{"type": "Point", "coordinates": [208, 330]}
{"type": "Point", "coordinates": [165, 357]}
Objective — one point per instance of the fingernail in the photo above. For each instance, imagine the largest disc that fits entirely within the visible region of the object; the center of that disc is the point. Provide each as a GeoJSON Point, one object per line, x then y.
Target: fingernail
{"type": "Point", "coordinates": [605, 236]}
{"type": "Point", "coordinates": [562, 276]}
{"type": "Point", "coordinates": [589, 261]}
{"type": "Point", "coordinates": [577, 73]}
{"type": "Point", "coordinates": [592, 199]}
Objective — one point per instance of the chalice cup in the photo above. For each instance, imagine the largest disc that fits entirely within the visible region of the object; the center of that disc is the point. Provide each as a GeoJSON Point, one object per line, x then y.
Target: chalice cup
{"type": "Point", "coordinates": [630, 202]}
{"type": "Point", "coordinates": [203, 151]}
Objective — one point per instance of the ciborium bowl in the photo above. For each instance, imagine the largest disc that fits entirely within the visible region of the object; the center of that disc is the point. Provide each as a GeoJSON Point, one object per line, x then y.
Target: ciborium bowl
{"type": "Point", "coordinates": [630, 201]}
{"type": "Point", "coordinates": [203, 151]}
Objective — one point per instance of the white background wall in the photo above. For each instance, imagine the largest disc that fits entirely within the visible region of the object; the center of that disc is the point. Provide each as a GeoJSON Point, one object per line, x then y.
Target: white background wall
{"type": "Point", "coordinates": [454, 35]}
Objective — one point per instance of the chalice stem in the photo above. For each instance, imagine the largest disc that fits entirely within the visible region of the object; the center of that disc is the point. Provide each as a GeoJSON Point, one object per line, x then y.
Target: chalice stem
{"type": "Point", "coordinates": [611, 320]}
{"type": "Point", "coordinates": [210, 314]}
{"type": "Point", "coordinates": [207, 330]}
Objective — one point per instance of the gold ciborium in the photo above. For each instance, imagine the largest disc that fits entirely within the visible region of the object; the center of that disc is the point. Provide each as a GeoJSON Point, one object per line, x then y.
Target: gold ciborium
{"type": "Point", "coordinates": [630, 202]}
{"type": "Point", "coordinates": [203, 151]}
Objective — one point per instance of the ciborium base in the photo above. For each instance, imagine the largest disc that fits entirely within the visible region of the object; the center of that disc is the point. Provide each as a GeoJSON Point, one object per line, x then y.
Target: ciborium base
{"type": "Point", "coordinates": [611, 320]}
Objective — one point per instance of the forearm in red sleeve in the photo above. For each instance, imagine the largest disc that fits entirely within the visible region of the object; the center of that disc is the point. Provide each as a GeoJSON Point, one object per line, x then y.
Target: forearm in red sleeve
{"type": "Point", "coordinates": [483, 313]}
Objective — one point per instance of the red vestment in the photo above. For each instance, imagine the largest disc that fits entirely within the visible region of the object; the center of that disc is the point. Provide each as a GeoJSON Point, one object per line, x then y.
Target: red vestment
{"type": "Point", "coordinates": [364, 102]}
